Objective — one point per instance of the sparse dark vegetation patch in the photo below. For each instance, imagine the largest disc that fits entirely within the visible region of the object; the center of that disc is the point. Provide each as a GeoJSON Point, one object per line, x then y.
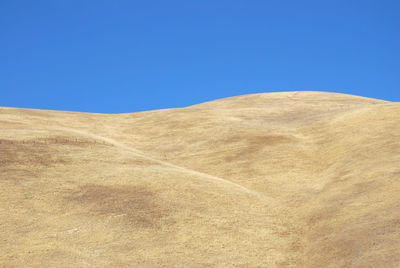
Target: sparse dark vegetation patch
{"type": "Point", "coordinates": [29, 154]}
{"type": "Point", "coordinates": [253, 144]}
{"type": "Point", "coordinates": [138, 206]}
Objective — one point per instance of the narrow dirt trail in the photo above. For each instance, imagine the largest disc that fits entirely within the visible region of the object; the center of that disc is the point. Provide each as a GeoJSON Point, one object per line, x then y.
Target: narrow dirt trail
{"type": "Point", "coordinates": [161, 162]}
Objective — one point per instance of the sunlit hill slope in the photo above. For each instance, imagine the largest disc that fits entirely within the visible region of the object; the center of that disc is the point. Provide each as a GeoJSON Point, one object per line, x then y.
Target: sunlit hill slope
{"type": "Point", "coordinates": [292, 179]}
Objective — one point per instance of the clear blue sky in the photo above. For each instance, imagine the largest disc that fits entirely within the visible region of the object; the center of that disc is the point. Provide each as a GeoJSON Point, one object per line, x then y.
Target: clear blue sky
{"type": "Point", "coordinates": [116, 56]}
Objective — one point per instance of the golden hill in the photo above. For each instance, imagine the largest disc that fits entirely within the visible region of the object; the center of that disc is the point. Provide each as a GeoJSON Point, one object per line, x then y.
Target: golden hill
{"type": "Point", "coordinates": [293, 179]}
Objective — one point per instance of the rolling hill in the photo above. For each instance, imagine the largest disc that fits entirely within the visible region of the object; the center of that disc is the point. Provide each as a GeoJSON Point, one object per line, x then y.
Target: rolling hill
{"type": "Point", "coordinates": [291, 179]}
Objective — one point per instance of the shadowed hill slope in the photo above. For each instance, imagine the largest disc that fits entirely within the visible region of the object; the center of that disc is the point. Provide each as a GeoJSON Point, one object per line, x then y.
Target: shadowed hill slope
{"type": "Point", "coordinates": [292, 179]}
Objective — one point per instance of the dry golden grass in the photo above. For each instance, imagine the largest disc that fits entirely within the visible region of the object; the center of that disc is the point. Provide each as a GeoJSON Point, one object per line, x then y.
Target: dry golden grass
{"type": "Point", "coordinates": [293, 179]}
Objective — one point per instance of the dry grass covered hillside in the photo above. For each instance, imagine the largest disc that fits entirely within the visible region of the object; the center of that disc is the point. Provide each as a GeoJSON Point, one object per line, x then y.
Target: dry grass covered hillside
{"type": "Point", "coordinates": [293, 179]}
